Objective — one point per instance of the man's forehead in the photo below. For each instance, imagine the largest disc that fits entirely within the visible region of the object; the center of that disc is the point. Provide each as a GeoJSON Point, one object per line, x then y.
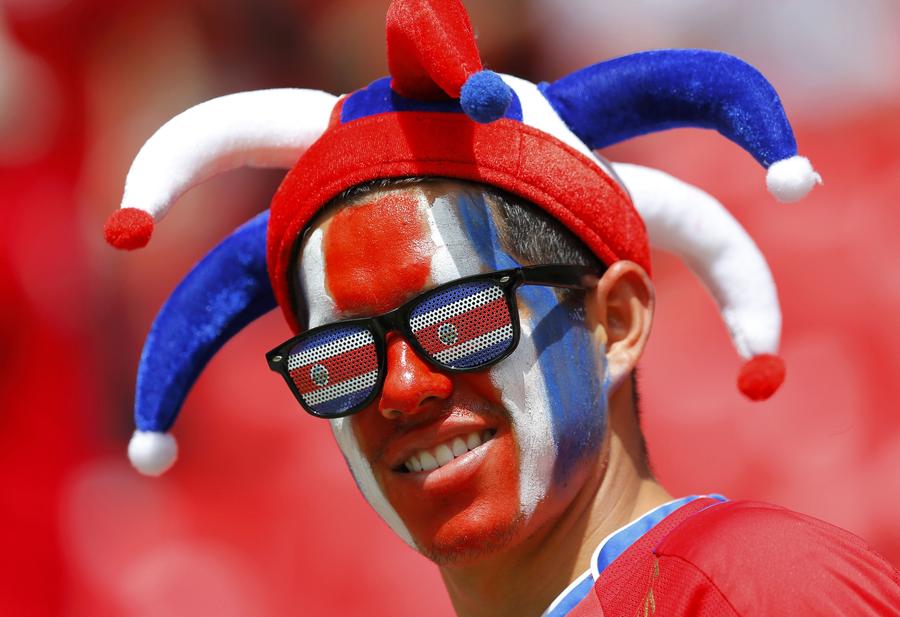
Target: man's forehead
{"type": "Point", "coordinates": [373, 254]}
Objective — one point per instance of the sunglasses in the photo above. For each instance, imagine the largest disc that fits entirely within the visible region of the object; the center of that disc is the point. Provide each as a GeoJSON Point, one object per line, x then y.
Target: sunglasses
{"type": "Point", "coordinates": [466, 325]}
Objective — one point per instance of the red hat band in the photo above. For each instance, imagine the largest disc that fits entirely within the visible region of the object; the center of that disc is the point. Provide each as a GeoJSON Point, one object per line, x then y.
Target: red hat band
{"type": "Point", "coordinates": [507, 154]}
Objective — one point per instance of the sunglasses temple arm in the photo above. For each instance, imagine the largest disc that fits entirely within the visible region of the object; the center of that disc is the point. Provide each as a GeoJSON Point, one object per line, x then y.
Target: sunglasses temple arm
{"type": "Point", "coordinates": [568, 276]}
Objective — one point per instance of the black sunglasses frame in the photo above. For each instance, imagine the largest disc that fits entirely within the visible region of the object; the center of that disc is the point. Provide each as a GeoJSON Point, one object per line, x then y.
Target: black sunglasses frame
{"type": "Point", "coordinates": [397, 320]}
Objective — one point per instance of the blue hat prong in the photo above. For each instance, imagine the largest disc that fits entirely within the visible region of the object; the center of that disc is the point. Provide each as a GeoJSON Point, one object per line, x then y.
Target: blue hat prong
{"type": "Point", "coordinates": [222, 294]}
{"type": "Point", "coordinates": [485, 97]}
{"type": "Point", "coordinates": [652, 91]}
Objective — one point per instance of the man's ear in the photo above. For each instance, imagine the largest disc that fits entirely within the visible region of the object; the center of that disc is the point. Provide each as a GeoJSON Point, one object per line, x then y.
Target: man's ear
{"type": "Point", "coordinates": [620, 312]}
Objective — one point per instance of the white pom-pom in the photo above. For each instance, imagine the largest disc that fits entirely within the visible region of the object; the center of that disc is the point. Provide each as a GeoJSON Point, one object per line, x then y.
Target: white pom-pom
{"type": "Point", "coordinates": [152, 453]}
{"type": "Point", "coordinates": [791, 179]}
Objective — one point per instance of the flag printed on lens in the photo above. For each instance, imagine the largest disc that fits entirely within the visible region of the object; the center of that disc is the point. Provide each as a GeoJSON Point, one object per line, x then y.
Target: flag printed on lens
{"type": "Point", "coordinates": [335, 368]}
{"type": "Point", "coordinates": [464, 326]}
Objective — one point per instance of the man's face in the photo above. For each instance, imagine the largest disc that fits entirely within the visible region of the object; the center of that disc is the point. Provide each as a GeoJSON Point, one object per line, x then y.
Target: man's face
{"type": "Point", "coordinates": [522, 434]}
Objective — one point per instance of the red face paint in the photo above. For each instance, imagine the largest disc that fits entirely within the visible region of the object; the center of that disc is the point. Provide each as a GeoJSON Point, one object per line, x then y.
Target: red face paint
{"type": "Point", "coordinates": [377, 254]}
{"type": "Point", "coordinates": [473, 505]}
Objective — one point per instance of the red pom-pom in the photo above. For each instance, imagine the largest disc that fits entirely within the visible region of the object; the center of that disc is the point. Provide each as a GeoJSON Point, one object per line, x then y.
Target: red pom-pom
{"type": "Point", "coordinates": [128, 228]}
{"type": "Point", "coordinates": [761, 376]}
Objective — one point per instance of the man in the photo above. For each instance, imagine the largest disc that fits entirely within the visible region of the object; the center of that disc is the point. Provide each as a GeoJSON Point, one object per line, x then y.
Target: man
{"type": "Point", "coordinates": [554, 460]}
{"type": "Point", "coordinates": [559, 468]}
{"type": "Point", "coordinates": [470, 291]}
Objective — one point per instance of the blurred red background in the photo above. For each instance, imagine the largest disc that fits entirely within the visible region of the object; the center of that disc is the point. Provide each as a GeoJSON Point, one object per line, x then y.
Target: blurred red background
{"type": "Point", "coordinates": [260, 515]}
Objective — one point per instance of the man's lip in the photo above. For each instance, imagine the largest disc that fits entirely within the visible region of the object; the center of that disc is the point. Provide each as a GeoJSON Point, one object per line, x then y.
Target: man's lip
{"type": "Point", "coordinates": [440, 431]}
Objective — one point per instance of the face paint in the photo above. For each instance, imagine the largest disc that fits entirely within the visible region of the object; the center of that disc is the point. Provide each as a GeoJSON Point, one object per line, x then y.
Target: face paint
{"type": "Point", "coordinates": [312, 280]}
{"type": "Point", "coordinates": [340, 271]}
{"type": "Point", "coordinates": [545, 401]}
{"type": "Point", "coordinates": [517, 378]}
{"type": "Point", "coordinates": [372, 268]}
{"type": "Point", "coordinates": [551, 383]}
{"type": "Point", "coordinates": [478, 510]}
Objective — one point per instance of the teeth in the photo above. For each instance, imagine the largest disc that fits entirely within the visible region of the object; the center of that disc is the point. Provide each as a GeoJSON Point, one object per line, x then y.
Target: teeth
{"type": "Point", "coordinates": [443, 454]}
{"type": "Point", "coordinates": [427, 460]}
{"type": "Point", "coordinates": [413, 463]}
{"type": "Point", "coordinates": [473, 440]}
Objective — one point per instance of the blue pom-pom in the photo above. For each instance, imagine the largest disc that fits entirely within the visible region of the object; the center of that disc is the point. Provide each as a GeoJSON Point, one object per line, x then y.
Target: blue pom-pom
{"type": "Point", "coordinates": [485, 97]}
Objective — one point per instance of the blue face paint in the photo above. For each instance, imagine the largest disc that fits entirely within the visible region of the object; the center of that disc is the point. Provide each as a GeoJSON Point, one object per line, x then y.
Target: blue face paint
{"type": "Point", "coordinates": [576, 394]}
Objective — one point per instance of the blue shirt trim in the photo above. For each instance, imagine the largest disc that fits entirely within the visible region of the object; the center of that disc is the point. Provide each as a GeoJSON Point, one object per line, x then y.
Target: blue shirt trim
{"type": "Point", "coordinates": [573, 594]}
{"type": "Point", "coordinates": [610, 549]}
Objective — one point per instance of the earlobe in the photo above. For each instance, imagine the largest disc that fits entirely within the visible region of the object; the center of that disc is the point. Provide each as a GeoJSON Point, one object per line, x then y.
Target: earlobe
{"type": "Point", "coordinates": [620, 311]}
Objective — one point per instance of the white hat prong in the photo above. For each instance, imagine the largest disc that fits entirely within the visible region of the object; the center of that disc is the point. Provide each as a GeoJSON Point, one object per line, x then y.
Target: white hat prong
{"type": "Point", "coordinates": [695, 226]}
{"type": "Point", "coordinates": [263, 128]}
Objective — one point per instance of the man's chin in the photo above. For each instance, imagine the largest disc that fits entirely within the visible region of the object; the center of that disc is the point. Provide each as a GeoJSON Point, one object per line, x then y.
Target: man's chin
{"type": "Point", "coordinates": [461, 543]}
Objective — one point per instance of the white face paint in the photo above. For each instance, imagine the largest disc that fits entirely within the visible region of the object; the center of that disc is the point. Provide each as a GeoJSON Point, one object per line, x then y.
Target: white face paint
{"type": "Point", "coordinates": [320, 305]}
{"type": "Point", "coordinates": [322, 310]}
{"type": "Point", "coordinates": [520, 380]}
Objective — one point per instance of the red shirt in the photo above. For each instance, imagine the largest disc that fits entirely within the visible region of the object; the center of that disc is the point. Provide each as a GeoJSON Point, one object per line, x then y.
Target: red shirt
{"type": "Point", "coordinates": [744, 558]}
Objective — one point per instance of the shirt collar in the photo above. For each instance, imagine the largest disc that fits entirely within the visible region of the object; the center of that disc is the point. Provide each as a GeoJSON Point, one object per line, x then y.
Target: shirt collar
{"type": "Point", "coordinates": [609, 550]}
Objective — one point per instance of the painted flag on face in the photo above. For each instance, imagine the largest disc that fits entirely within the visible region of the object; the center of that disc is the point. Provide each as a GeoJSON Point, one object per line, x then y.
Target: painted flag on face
{"type": "Point", "coordinates": [334, 369]}
{"type": "Point", "coordinates": [464, 326]}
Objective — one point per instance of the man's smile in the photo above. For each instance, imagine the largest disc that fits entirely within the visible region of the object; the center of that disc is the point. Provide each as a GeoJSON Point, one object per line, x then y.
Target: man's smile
{"type": "Point", "coordinates": [456, 421]}
{"type": "Point", "coordinates": [444, 448]}
{"type": "Point", "coordinates": [423, 461]}
{"type": "Point", "coordinates": [448, 468]}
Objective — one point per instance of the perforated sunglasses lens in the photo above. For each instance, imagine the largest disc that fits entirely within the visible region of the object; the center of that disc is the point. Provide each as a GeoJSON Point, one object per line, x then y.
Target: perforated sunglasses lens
{"type": "Point", "coordinates": [334, 369]}
{"type": "Point", "coordinates": [464, 326]}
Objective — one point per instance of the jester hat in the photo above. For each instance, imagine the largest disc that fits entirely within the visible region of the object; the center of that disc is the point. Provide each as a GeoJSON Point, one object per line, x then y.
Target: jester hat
{"type": "Point", "coordinates": [440, 113]}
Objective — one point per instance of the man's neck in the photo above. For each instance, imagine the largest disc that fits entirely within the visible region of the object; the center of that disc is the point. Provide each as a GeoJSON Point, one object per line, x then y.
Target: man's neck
{"type": "Point", "coordinates": [526, 579]}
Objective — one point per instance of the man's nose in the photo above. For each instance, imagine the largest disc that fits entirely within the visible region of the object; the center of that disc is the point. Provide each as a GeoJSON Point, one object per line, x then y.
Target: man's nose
{"type": "Point", "coordinates": [409, 382]}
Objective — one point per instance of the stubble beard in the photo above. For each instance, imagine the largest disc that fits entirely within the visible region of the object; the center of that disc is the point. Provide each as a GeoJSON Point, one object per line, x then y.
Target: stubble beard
{"type": "Point", "coordinates": [462, 553]}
